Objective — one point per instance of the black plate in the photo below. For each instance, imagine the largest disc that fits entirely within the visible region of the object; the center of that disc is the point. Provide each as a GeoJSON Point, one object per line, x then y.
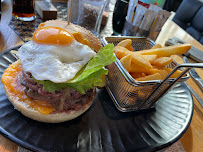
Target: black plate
{"type": "Point", "coordinates": [102, 127]}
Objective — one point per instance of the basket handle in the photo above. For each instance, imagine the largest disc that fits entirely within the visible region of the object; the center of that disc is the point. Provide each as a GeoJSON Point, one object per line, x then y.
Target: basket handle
{"type": "Point", "coordinates": [188, 66]}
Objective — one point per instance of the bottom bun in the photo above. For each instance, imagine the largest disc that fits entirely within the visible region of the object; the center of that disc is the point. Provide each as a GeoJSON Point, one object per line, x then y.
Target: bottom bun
{"type": "Point", "coordinates": [57, 117]}
{"type": "Point", "coordinates": [49, 118]}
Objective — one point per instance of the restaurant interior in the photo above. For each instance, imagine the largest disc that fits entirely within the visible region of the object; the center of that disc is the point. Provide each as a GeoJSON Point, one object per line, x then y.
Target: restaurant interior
{"type": "Point", "coordinates": [148, 98]}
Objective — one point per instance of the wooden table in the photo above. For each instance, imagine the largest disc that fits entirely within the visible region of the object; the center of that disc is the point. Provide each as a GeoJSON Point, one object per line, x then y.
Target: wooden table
{"type": "Point", "coordinates": [192, 141]}
{"type": "Point", "coordinates": [193, 138]}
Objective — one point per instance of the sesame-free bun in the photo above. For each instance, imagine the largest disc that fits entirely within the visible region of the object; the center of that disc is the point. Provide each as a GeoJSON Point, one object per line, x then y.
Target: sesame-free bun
{"type": "Point", "coordinates": [26, 110]}
{"type": "Point", "coordinates": [94, 42]}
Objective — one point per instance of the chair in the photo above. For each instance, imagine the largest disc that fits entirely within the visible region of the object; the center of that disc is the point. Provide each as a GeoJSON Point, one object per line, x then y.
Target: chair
{"type": "Point", "coordinates": [172, 5]}
{"type": "Point", "coordinates": [189, 16]}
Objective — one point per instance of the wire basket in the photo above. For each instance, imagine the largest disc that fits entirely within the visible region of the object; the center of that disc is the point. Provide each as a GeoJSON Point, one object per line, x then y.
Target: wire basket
{"type": "Point", "coordinates": [129, 94]}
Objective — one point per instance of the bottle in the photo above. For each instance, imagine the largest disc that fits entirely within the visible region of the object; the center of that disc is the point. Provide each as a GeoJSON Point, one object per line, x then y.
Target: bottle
{"type": "Point", "coordinates": [119, 14]}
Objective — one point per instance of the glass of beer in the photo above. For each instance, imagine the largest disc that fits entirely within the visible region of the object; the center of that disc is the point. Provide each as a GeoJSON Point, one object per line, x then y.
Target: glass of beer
{"type": "Point", "coordinates": [24, 10]}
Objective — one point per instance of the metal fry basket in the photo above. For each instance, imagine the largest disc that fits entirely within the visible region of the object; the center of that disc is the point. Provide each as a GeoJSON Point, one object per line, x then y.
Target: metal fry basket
{"type": "Point", "coordinates": [129, 94]}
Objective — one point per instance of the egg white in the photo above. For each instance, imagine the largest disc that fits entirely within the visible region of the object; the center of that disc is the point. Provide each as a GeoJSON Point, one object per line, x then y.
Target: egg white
{"type": "Point", "coordinates": [57, 63]}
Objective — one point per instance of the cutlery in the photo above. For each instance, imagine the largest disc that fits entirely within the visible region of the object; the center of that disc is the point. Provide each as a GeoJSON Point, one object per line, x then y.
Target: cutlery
{"type": "Point", "coordinates": [199, 99]}
{"type": "Point", "coordinates": [195, 76]}
{"type": "Point", "coordinates": [193, 53]}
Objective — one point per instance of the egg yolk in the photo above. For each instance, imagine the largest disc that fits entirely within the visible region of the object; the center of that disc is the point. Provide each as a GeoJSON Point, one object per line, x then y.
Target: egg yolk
{"type": "Point", "coordinates": [52, 35]}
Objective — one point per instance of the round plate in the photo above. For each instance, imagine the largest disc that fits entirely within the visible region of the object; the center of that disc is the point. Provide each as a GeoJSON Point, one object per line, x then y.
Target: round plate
{"type": "Point", "coordinates": [102, 127]}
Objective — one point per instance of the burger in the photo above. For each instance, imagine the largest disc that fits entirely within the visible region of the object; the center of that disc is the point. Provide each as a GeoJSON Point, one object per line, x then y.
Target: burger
{"type": "Point", "coordinates": [57, 73]}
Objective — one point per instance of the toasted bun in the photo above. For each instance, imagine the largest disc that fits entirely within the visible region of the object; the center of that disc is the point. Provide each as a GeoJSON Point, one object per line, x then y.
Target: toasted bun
{"type": "Point", "coordinates": [35, 115]}
{"type": "Point", "coordinates": [94, 42]}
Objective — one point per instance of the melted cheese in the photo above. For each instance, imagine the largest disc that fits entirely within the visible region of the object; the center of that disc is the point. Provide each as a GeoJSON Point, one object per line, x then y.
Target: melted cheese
{"type": "Point", "coordinates": [11, 79]}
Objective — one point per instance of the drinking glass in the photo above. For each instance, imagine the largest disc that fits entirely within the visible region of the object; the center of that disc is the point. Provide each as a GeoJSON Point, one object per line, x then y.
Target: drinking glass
{"type": "Point", "coordinates": [88, 14]}
{"type": "Point", "coordinates": [24, 10]}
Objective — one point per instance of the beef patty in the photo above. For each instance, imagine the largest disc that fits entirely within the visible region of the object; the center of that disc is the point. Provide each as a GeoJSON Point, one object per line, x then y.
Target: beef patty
{"type": "Point", "coordinates": [63, 100]}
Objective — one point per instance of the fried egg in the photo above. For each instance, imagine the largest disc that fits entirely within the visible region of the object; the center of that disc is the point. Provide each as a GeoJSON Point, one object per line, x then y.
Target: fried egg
{"type": "Point", "coordinates": [53, 54]}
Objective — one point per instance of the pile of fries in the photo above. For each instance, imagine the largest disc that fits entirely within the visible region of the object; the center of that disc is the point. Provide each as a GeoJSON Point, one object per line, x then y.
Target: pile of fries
{"type": "Point", "coordinates": [149, 64]}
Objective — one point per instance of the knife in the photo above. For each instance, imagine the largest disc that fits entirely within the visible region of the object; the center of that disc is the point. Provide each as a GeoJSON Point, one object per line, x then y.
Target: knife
{"type": "Point", "coordinates": [193, 53]}
{"type": "Point", "coordinates": [194, 75]}
{"type": "Point", "coordinates": [199, 99]}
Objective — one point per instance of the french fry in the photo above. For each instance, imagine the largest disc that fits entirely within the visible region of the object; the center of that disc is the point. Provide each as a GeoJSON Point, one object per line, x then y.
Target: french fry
{"type": "Point", "coordinates": [163, 73]}
{"type": "Point", "coordinates": [167, 51]}
{"type": "Point", "coordinates": [143, 75]}
{"type": "Point", "coordinates": [156, 46]}
{"type": "Point", "coordinates": [162, 61]}
{"type": "Point", "coordinates": [119, 54]}
{"type": "Point", "coordinates": [137, 59]}
{"type": "Point", "coordinates": [126, 44]}
{"type": "Point", "coordinates": [175, 75]}
{"type": "Point", "coordinates": [131, 49]}
{"type": "Point", "coordinates": [153, 71]}
{"type": "Point", "coordinates": [137, 75]}
{"type": "Point", "coordinates": [126, 61]}
{"type": "Point", "coordinates": [155, 76]}
{"type": "Point", "coordinates": [134, 68]}
{"type": "Point", "coordinates": [156, 67]}
{"type": "Point", "coordinates": [141, 62]}
{"type": "Point", "coordinates": [121, 48]}
{"type": "Point", "coordinates": [120, 51]}
{"type": "Point", "coordinates": [14, 51]}
{"type": "Point", "coordinates": [149, 64]}
{"type": "Point", "coordinates": [150, 58]}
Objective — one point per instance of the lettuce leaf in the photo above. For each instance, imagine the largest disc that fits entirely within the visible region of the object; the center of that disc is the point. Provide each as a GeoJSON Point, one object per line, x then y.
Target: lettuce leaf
{"type": "Point", "coordinates": [92, 75]}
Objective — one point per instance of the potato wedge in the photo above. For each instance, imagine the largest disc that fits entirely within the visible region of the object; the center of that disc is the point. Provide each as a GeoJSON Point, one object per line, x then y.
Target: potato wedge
{"type": "Point", "coordinates": [162, 61]}
{"type": "Point", "coordinates": [167, 51]}
{"type": "Point", "coordinates": [126, 61]}
{"type": "Point", "coordinates": [155, 76]}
